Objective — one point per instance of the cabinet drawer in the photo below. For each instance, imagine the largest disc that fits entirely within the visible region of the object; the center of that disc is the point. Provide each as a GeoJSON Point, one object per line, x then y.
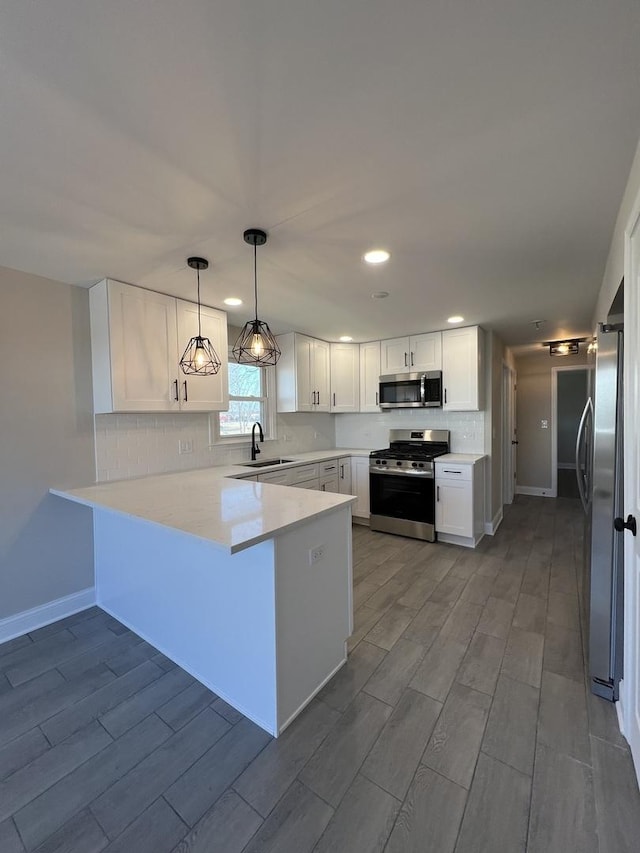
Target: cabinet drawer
{"type": "Point", "coordinates": [328, 467]}
{"type": "Point", "coordinates": [281, 478]}
{"type": "Point", "coordinates": [303, 472]}
{"type": "Point", "coordinates": [449, 471]}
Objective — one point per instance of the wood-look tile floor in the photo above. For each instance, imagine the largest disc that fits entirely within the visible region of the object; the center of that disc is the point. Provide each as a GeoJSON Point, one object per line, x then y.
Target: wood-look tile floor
{"type": "Point", "coordinates": [461, 722]}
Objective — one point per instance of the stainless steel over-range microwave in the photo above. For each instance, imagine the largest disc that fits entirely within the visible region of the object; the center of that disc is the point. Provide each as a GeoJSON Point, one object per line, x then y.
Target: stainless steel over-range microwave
{"type": "Point", "coordinates": [411, 390]}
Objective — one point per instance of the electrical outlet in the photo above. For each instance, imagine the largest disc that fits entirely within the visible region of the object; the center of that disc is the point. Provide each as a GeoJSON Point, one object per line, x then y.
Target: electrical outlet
{"type": "Point", "coordinates": [185, 445]}
{"type": "Point", "coordinates": [316, 554]}
{"type": "Point", "coordinates": [286, 437]}
{"type": "Point", "coordinates": [544, 424]}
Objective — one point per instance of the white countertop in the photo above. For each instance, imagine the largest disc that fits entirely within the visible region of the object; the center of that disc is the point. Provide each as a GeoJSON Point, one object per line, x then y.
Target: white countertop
{"type": "Point", "coordinates": [240, 470]}
{"type": "Point", "coordinates": [205, 503]}
{"type": "Point", "coordinates": [460, 458]}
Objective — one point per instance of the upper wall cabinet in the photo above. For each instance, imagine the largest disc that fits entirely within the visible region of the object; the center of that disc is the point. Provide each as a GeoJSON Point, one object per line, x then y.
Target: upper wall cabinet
{"type": "Point", "coordinates": [345, 377]}
{"type": "Point", "coordinates": [137, 338]}
{"type": "Point", "coordinates": [302, 374]}
{"type": "Point", "coordinates": [463, 369]}
{"type": "Point", "coordinates": [369, 376]}
{"type": "Point", "coordinates": [418, 352]}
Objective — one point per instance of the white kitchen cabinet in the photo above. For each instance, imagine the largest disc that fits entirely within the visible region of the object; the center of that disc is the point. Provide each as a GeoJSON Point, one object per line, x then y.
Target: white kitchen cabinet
{"type": "Point", "coordinates": [460, 500]}
{"type": "Point", "coordinates": [360, 485]}
{"type": "Point", "coordinates": [463, 369]}
{"type": "Point", "coordinates": [344, 475]}
{"type": "Point", "coordinates": [137, 338]}
{"type": "Point", "coordinates": [302, 374]}
{"type": "Point", "coordinates": [369, 376]}
{"type": "Point", "coordinates": [203, 393]}
{"type": "Point", "coordinates": [345, 377]}
{"type": "Point", "coordinates": [414, 353]}
{"type": "Point", "coordinates": [329, 479]}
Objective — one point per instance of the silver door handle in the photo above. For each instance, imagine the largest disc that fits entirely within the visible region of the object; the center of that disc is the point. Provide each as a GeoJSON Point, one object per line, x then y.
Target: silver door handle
{"type": "Point", "coordinates": [584, 497]}
{"type": "Point", "coordinates": [176, 394]}
{"type": "Point", "coordinates": [411, 359]}
{"type": "Point", "coordinates": [437, 493]}
{"type": "Point", "coordinates": [334, 398]}
{"type": "Point", "coordinates": [186, 398]}
{"type": "Point", "coordinates": [318, 393]}
{"type": "Point", "coordinates": [445, 395]}
{"type": "Point", "coordinates": [376, 398]}
{"type": "Point", "coordinates": [405, 360]}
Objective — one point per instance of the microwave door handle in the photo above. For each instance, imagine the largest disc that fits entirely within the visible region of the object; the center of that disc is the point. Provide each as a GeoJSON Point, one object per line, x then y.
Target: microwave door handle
{"type": "Point", "coordinates": [584, 498]}
{"type": "Point", "coordinates": [422, 389]}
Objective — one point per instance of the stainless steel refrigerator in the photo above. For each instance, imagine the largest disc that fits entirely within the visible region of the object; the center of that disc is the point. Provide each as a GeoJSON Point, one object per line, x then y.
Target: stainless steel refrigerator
{"type": "Point", "coordinates": [599, 468]}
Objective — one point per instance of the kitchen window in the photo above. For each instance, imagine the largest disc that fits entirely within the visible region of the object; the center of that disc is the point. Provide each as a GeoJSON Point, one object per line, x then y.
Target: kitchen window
{"type": "Point", "coordinates": [251, 394]}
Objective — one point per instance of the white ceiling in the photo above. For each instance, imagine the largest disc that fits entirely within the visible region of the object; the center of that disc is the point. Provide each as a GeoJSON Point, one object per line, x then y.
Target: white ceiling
{"type": "Point", "coordinates": [486, 144]}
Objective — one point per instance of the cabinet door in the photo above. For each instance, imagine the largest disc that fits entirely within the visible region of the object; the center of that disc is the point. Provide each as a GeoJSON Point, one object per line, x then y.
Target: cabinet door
{"type": "Point", "coordinates": [142, 343]}
{"type": "Point", "coordinates": [345, 378]}
{"type": "Point", "coordinates": [369, 376]}
{"type": "Point", "coordinates": [394, 356]}
{"type": "Point", "coordinates": [425, 351]}
{"type": "Point", "coordinates": [304, 376]}
{"type": "Point", "coordinates": [203, 393]}
{"type": "Point", "coordinates": [454, 507]}
{"type": "Point", "coordinates": [462, 369]}
{"type": "Point", "coordinates": [360, 485]}
{"type": "Point", "coordinates": [330, 483]}
{"type": "Point", "coordinates": [320, 374]}
{"type": "Point", "coordinates": [344, 475]}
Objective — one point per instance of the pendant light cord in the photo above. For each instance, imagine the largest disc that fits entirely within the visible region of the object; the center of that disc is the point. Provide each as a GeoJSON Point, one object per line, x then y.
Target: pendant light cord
{"type": "Point", "coordinates": [255, 277]}
{"type": "Point", "coordinates": [199, 324]}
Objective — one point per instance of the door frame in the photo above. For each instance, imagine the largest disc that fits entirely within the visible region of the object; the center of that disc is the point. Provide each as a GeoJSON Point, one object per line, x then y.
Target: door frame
{"type": "Point", "coordinates": [554, 417]}
{"type": "Point", "coordinates": [629, 701]}
{"type": "Point", "coordinates": [508, 433]}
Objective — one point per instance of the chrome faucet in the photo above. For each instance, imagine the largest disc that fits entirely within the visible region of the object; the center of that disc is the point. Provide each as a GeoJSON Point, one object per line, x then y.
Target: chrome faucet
{"type": "Point", "coordinates": [254, 447]}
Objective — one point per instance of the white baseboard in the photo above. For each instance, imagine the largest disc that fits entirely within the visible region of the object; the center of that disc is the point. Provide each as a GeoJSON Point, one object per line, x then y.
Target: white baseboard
{"type": "Point", "coordinates": [45, 614]}
{"type": "Point", "coordinates": [490, 527]}
{"type": "Point", "coordinates": [619, 706]}
{"type": "Point", "coordinates": [535, 491]}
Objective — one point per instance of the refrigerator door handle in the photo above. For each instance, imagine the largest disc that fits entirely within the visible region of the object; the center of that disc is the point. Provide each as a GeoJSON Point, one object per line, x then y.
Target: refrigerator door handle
{"type": "Point", "coordinates": [584, 497]}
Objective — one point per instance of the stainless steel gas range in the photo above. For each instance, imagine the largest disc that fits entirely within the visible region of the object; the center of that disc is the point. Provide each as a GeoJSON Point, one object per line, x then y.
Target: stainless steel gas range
{"type": "Point", "coordinates": [402, 482]}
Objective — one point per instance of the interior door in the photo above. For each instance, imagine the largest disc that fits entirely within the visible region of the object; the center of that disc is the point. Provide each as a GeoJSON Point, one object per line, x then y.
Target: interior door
{"type": "Point", "coordinates": [630, 686]}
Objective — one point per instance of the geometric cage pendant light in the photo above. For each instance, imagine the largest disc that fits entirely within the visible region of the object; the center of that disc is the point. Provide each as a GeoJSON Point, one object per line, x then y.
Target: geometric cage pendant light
{"type": "Point", "coordinates": [199, 357]}
{"type": "Point", "coordinates": [256, 343]}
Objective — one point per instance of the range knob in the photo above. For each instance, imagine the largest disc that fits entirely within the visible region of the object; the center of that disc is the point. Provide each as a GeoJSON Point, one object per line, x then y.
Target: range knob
{"type": "Point", "coordinates": [421, 465]}
{"type": "Point", "coordinates": [414, 464]}
{"type": "Point", "coordinates": [384, 461]}
{"type": "Point", "coordinates": [398, 462]}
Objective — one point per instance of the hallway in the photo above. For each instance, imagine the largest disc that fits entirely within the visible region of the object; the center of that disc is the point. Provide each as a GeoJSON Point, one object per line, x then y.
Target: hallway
{"type": "Point", "coordinates": [460, 723]}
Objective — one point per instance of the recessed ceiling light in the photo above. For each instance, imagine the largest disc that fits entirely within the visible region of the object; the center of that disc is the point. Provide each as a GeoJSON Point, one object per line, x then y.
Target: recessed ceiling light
{"type": "Point", "coordinates": [376, 256]}
{"type": "Point", "coordinates": [232, 300]}
{"type": "Point", "coordinates": [346, 338]}
{"type": "Point", "coordinates": [379, 294]}
{"type": "Point", "coordinates": [455, 319]}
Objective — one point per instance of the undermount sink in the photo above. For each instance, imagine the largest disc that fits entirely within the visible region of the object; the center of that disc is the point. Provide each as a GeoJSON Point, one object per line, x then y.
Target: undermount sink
{"type": "Point", "coordinates": [264, 462]}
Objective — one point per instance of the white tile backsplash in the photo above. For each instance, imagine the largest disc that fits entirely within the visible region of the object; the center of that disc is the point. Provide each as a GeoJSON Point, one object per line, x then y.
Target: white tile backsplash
{"type": "Point", "coordinates": [136, 445]}
{"type": "Point", "coordinates": [372, 430]}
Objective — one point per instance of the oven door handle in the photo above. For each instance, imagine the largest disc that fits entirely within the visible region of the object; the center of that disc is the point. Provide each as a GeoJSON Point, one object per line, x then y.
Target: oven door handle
{"type": "Point", "coordinates": [389, 472]}
{"type": "Point", "coordinates": [422, 388]}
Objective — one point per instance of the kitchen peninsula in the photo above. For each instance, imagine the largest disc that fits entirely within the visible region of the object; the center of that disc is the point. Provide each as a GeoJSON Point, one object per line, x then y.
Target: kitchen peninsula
{"type": "Point", "coordinates": [245, 585]}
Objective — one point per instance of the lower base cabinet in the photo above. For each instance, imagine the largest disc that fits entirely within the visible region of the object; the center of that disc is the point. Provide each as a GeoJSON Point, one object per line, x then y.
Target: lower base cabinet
{"type": "Point", "coordinates": [460, 501]}
{"type": "Point", "coordinates": [360, 485]}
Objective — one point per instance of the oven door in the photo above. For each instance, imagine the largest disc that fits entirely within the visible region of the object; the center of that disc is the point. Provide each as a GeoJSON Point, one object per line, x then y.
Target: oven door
{"type": "Point", "coordinates": [403, 503]}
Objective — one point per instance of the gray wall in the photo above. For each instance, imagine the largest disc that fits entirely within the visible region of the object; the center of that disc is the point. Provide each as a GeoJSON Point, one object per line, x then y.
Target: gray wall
{"type": "Point", "coordinates": [572, 395]}
{"type": "Point", "coordinates": [533, 404]}
{"type": "Point", "coordinates": [46, 432]}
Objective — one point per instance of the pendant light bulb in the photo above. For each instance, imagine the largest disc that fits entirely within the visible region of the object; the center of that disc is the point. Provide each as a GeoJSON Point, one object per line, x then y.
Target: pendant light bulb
{"type": "Point", "coordinates": [257, 346]}
{"type": "Point", "coordinates": [256, 343]}
{"type": "Point", "coordinates": [199, 357]}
